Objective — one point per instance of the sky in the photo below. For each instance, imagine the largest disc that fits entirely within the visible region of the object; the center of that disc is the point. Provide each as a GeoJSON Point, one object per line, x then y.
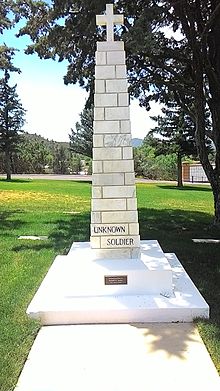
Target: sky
{"type": "Point", "coordinates": [53, 108]}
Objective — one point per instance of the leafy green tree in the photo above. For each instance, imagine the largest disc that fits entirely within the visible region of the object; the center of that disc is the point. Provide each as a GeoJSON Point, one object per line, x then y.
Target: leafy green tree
{"type": "Point", "coordinates": [150, 165]}
{"type": "Point", "coordinates": [11, 120]}
{"type": "Point", "coordinates": [81, 136]}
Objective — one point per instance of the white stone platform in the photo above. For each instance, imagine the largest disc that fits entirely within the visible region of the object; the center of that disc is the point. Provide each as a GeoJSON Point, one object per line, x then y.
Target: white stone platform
{"type": "Point", "coordinates": [74, 292]}
{"type": "Point", "coordinates": [119, 358]}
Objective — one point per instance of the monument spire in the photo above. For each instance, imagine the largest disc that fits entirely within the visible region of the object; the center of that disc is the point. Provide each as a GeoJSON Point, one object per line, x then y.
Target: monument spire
{"type": "Point", "coordinates": [109, 20]}
{"type": "Point", "coordinates": [114, 217]}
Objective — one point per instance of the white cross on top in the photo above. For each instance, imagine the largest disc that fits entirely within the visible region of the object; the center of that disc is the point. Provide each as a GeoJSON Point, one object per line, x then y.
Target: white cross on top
{"type": "Point", "coordinates": [109, 20]}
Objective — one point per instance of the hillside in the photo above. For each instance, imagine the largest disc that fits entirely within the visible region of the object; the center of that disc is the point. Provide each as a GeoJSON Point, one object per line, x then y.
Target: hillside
{"type": "Point", "coordinates": [46, 141]}
{"type": "Point", "coordinates": [136, 142]}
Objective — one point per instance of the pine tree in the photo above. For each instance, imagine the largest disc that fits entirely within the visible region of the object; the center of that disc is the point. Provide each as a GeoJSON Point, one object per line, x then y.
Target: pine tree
{"type": "Point", "coordinates": [11, 120]}
{"type": "Point", "coordinates": [81, 136]}
{"type": "Point", "coordinates": [178, 133]}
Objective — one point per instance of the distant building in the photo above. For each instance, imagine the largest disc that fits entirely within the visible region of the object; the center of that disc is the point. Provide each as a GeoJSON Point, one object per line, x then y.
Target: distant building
{"type": "Point", "coordinates": [193, 172]}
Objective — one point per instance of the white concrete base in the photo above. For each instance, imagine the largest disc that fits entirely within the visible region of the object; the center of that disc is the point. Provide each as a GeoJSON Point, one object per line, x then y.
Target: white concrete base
{"type": "Point", "coordinates": [74, 292]}
{"type": "Point", "coordinates": [119, 358]}
{"type": "Point", "coordinates": [85, 274]}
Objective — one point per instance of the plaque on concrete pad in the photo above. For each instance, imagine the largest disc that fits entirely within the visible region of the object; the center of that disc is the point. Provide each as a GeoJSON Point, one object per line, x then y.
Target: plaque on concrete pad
{"type": "Point", "coordinates": [114, 218]}
{"type": "Point", "coordinates": [116, 280]}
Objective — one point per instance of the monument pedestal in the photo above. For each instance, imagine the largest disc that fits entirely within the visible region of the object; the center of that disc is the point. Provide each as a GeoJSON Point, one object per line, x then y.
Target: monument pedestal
{"type": "Point", "coordinates": [81, 289]}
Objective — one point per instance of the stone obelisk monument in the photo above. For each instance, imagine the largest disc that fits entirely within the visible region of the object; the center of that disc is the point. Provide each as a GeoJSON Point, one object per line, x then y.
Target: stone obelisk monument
{"type": "Point", "coordinates": [114, 217]}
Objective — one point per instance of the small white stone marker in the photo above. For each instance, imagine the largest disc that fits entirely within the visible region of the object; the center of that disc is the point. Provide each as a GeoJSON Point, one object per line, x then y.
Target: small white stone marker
{"type": "Point", "coordinates": [206, 240]}
{"type": "Point", "coordinates": [109, 20]}
{"type": "Point", "coordinates": [114, 228]}
{"type": "Point", "coordinates": [33, 237]}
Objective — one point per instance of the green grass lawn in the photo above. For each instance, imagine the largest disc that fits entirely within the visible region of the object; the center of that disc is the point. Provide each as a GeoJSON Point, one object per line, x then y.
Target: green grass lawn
{"type": "Point", "coordinates": [61, 211]}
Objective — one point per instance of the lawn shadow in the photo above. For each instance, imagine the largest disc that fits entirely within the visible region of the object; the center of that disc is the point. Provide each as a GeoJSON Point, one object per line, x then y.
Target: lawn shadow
{"type": "Point", "coordinates": [81, 181]}
{"type": "Point", "coordinates": [74, 229]}
{"type": "Point", "coordinates": [185, 187]}
{"type": "Point", "coordinates": [35, 245]}
{"type": "Point", "coordinates": [15, 180]}
{"type": "Point", "coordinates": [8, 222]}
{"type": "Point", "coordinates": [177, 220]}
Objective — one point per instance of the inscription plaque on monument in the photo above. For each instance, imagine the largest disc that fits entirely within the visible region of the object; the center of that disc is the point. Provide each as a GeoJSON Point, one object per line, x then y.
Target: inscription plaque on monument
{"type": "Point", "coordinates": [116, 280]}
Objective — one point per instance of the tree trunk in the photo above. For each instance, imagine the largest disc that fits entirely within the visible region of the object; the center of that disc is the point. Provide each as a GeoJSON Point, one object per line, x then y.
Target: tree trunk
{"type": "Point", "coordinates": [8, 165]}
{"type": "Point", "coordinates": [216, 195]}
{"type": "Point", "coordinates": [179, 170]}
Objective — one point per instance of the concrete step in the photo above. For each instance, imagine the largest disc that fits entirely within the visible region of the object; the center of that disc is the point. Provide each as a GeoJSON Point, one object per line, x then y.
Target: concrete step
{"type": "Point", "coordinates": [119, 358]}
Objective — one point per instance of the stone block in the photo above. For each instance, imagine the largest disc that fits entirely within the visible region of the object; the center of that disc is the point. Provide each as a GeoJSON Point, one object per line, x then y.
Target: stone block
{"type": "Point", "coordinates": [118, 166]}
{"type": "Point", "coordinates": [120, 241]}
{"type": "Point", "coordinates": [105, 100]}
{"type": "Point", "coordinates": [129, 178]}
{"type": "Point", "coordinates": [121, 72]}
{"type": "Point", "coordinates": [125, 126]}
{"type": "Point", "coordinates": [100, 58]}
{"type": "Point", "coordinates": [117, 140]}
{"type": "Point", "coordinates": [97, 167]}
{"type": "Point", "coordinates": [133, 228]}
{"type": "Point", "coordinates": [116, 57]}
{"type": "Point", "coordinates": [119, 191]}
{"type": "Point", "coordinates": [106, 126]}
{"type": "Point", "coordinates": [110, 46]}
{"type": "Point", "coordinates": [120, 217]}
{"type": "Point", "coordinates": [113, 153]}
{"type": "Point", "coordinates": [132, 204]}
{"type": "Point", "coordinates": [104, 72]}
{"type": "Point", "coordinates": [108, 204]}
{"type": "Point", "coordinates": [117, 113]}
{"type": "Point", "coordinates": [118, 253]}
{"type": "Point", "coordinates": [116, 179]}
{"type": "Point", "coordinates": [100, 86]}
{"type": "Point", "coordinates": [127, 153]}
{"type": "Point", "coordinates": [96, 217]}
{"type": "Point", "coordinates": [123, 99]}
{"type": "Point", "coordinates": [119, 85]}
{"type": "Point", "coordinates": [109, 229]}
{"type": "Point", "coordinates": [95, 242]}
{"type": "Point", "coordinates": [99, 114]}
{"type": "Point", "coordinates": [98, 140]}
{"type": "Point", "coordinates": [96, 192]}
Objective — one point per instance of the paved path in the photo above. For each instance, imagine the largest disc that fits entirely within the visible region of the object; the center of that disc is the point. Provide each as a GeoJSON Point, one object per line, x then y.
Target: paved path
{"type": "Point", "coordinates": [150, 357]}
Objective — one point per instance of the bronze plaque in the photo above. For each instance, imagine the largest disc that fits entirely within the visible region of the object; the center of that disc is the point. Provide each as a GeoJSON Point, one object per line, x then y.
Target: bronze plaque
{"type": "Point", "coordinates": [116, 280]}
